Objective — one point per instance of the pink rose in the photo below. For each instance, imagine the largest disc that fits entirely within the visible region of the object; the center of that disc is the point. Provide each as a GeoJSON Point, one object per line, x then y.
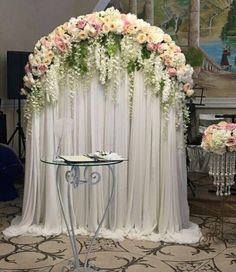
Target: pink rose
{"type": "Point", "coordinates": [126, 22]}
{"type": "Point", "coordinates": [230, 126]}
{"type": "Point", "coordinates": [153, 46]}
{"type": "Point", "coordinates": [42, 68]}
{"type": "Point", "coordinates": [177, 49]}
{"type": "Point", "coordinates": [81, 24]}
{"type": "Point", "coordinates": [150, 46]}
{"type": "Point", "coordinates": [230, 141]}
{"type": "Point", "coordinates": [126, 26]}
{"type": "Point", "coordinates": [171, 72]}
{"type": "Point", "coordinates": [157, 46]}
{"type": "Point", "coordinates": [45, 42]}
{"type": "Point", "coordinates": [98, 27]}
{"type": "Point", "coordinates": [226, 126]}
{"type": "Point", "coordinates": [231, 144]}
{"type": "Point", "coordinates": [60, 44]}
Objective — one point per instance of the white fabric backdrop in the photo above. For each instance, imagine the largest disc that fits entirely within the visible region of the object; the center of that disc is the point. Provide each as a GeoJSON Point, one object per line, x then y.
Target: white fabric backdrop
{"type": "Point", "coordinates": [151, 194]}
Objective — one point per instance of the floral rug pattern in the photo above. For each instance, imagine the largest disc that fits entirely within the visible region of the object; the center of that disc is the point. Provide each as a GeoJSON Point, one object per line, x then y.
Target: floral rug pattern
{"type": "Point", "coordinates": [53, 253]}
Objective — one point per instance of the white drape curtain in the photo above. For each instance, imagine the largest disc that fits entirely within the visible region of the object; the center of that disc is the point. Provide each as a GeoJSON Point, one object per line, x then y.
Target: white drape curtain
{"type": "Point", "coordinates": [151, 192]}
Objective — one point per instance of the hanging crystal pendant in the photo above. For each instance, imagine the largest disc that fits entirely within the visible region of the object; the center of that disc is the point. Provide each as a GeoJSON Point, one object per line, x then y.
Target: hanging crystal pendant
{"type": "Point", "coordinates": [222, 168]}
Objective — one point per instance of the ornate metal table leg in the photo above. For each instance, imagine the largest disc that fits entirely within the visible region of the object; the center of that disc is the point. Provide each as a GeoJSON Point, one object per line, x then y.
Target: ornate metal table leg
{"type": "Point", "coordinates": [103, 217]}
{"type": "Point", "coordinates": [70, 229]}
{"type": "Point", "coordinates": [73, 178]}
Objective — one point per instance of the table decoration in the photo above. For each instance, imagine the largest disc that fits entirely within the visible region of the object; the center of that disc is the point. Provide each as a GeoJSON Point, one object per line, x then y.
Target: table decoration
{"type": "Point", "coordinates": [220, 140]}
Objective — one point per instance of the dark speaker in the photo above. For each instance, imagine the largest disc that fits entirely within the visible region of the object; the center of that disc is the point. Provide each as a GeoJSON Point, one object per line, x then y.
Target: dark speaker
{"type": "Point", "coordinates": [3, 129]}
{"type": "Point", "coordinates": [16, 61]}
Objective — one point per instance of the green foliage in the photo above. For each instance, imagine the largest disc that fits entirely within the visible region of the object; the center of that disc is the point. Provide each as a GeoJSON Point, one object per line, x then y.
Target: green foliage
{"type": "Point", "coordinates": [229, 28]}
{"type": "Point", "coordinates": [113, 44]}
{"type": "Point", "coordinates": [131, 67]}
{"type": "Point", "coordinates": [83, 54]}
{"type": "Point", "coordinates": [78, 57]}
{"type": "Point", "coordinates": [162, 84]}
{"type": "Point", "coordinates": [145, 52]}
{"type": "Point", "coordinates": [70, 59]}
{"type": "Point", "coordinates": [183, 2]}
{"type": "Point", "coordinates": [194, 56]}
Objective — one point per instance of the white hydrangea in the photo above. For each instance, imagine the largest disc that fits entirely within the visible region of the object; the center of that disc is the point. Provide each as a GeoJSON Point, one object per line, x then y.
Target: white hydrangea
{"type": "Point", "coordinates": [184, 74]}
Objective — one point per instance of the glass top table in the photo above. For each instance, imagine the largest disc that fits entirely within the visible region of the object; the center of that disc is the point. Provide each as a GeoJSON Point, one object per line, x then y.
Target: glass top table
{"type": "Point", "coordinates": [76, 162]}
{"type": "Point", "coordinates": [74, 177]}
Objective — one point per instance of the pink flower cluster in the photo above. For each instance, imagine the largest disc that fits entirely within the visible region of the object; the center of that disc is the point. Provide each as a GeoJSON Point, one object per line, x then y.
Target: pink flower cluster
{"type": "Point", "coordinates": [220, 138]}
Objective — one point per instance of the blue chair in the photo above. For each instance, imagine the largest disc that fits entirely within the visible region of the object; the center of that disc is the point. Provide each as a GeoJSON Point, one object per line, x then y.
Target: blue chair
{"type": "Point", "coordinates": [11, 169]}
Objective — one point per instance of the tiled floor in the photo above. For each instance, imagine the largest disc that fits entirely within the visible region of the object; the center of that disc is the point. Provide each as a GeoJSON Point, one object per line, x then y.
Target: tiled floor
{"type": "Point", "coordinates": [52, 253]}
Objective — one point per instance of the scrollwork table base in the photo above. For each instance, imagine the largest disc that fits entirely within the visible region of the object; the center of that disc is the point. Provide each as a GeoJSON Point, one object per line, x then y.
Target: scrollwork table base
{"type": "Point", "coordinates": [75, 177]}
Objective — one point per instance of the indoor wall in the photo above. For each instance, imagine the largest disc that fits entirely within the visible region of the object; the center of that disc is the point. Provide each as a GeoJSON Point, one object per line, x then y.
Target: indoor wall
{"type": "Point", "coordinates": [22, 24]}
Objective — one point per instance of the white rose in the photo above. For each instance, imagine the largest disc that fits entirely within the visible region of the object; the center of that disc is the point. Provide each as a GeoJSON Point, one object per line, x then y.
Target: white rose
{"type": "Point", "coordinates": [141, 38]}
{"type": "Point", "coordinates": [119, 26]}
{"type": "Point", "coordinates": [140, 23]}
{"type": "Point", "coordinates": [83, 35]}
{"type": "Point", "coordinates": [73, 20]}
{"type": "Point", "coordinates": [155, 35]}
{"type": "Point", "coordinates": [167, 38]}
{"type": "Point", "coordinates": [131, 18]}
{"type": "Point", "coordinates": [90, 30]}
{"type": "Point", "coordinates": [112, 26]}
{"type": "Point", "coordinates": [105, 28]}
{"type": "Point", "coordinates": [164, 47]}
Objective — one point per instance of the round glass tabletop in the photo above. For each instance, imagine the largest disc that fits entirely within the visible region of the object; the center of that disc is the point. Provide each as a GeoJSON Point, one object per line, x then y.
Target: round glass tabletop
{"type": "Point", "coordinates": [80, 160]}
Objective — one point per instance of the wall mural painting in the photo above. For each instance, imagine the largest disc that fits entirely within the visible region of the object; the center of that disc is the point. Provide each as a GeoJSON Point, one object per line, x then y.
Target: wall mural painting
{"type": "Point", "coordinates": [218, 32]}
{"type": "Point", "coordinates": [217, 26]}
{"type": "Point", "coordinates": [170, 15]}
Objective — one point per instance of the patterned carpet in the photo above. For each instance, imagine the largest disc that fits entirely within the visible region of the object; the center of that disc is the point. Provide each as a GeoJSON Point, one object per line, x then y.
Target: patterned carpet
{"type": "Point", "coordinates": [44, 254]}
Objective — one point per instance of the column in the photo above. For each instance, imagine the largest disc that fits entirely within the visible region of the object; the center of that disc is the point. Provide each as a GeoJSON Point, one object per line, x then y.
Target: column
{"type": "Point", "coordinates": [194, 23]}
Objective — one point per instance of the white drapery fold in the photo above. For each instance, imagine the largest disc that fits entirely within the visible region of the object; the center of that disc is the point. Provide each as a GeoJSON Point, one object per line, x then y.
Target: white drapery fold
{"type": "Point", "coordinates": [151, 191]}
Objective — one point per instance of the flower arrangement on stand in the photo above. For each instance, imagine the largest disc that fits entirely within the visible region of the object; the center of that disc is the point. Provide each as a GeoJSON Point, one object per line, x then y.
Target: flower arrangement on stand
{"type": "Point", "coordinates": [220, 140]}
{"type": "Point", "coordinates": [106, 43]}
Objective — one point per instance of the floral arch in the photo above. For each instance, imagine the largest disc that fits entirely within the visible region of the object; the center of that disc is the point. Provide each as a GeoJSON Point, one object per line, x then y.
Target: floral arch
{"type": "Point", "coordinates": [104, 43]}
{"type": "Point", "coordinates": [111, 82]}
